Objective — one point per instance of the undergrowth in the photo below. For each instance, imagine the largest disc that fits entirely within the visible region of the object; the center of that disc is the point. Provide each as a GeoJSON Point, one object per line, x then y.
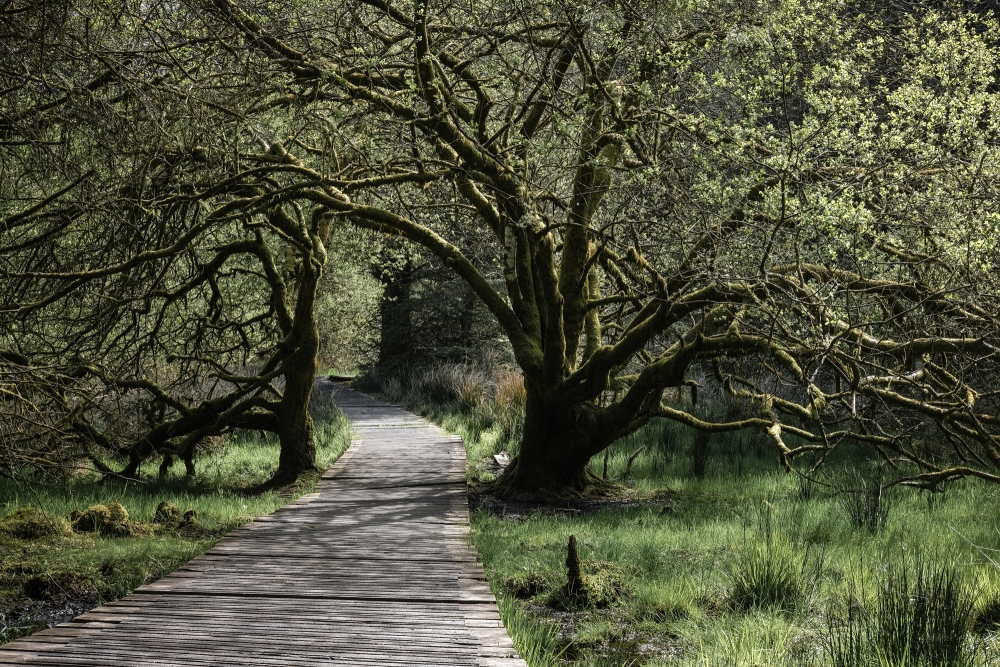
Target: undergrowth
{"type": "Point", "coordinates": [48, 576]}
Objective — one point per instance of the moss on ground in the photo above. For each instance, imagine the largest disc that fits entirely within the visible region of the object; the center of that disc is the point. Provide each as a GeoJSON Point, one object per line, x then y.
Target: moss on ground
{"type": "Point", "coordinates": [68, 547]}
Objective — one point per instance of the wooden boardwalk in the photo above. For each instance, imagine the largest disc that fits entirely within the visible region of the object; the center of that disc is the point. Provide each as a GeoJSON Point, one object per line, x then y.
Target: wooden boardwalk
{"type": "Point", "coordinates": [374, 568]}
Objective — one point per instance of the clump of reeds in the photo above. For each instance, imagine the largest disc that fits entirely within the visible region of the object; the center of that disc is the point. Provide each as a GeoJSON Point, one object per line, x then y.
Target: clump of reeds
{"type": "Point", "coordinates": [864, 498]}
{"type": "Point", "coordinates": [919, 616]}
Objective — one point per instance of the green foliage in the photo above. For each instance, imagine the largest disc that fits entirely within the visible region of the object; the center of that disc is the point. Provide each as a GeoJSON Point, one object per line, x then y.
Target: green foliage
{"type": "Point", "coordinates": [347, 303]}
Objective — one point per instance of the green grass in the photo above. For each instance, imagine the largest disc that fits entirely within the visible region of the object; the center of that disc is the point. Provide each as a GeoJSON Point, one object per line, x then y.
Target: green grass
{"type": "Point", "coordinates": [743, 567]}
{"type": "Point", "coordinates": [731, 561]}
{"type": "Point", "coordinates": [96, 568]}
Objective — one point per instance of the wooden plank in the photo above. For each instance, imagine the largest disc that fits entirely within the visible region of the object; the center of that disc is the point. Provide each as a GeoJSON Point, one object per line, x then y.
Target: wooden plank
{"type": "Point", "coordinates": [374, 568]}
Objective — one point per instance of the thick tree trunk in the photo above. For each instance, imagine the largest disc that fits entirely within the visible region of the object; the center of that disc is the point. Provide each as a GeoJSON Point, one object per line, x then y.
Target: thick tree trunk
{"type": "Point", "coordinates": [559, 440]}
{"type": "Point", "coordinates": [295, 424]}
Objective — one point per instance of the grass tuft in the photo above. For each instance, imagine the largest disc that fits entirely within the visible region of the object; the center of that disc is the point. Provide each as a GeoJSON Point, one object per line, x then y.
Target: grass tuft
{"type": "Point", "coordinates": [864, 499]}
{"type": "Point", "coordinates": [765, 575]}
{"type": "Point", "coordinates": [920, 616]}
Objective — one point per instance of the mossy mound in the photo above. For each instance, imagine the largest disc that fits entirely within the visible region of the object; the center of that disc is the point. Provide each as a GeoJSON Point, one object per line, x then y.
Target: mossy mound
{"type": "Point", "coordinates": [526, 585]}
{"type": "Point", "coordinates": [190, 527]}
{"type": "Point", "coordinates": [31, 523]}
{"type": "Point", "coordinates": [118, 512]}
{"type": "Point", "coordinates": [142, 530]}
{"type": "Point", "coordinates": [167, 514]}
{"type": "Point", "coordinates": [93, 519]}
{"type": "Point", "coordinates": [604, 584]}
{"type": "Point", "coordinates": [110, 520]}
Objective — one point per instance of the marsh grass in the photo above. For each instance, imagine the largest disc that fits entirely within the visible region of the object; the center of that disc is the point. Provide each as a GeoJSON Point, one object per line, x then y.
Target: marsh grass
{"type": "Point", "coordinates": [537, 643]}
{"type": "Point", "coordinates": [919, 615]}
{"type": "Point", "coordinates": [95, 569]}
{"type": "Point", "coordinates": [863, 496]}
{"type": "Point", "coordinates": [765, 575]}
{"type": "Point", "coordinates": [737, 568]}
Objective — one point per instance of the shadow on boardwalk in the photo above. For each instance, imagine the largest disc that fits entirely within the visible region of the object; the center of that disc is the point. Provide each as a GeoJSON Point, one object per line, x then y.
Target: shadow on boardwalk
{"type": "Point", "coordinates": [374, 568]}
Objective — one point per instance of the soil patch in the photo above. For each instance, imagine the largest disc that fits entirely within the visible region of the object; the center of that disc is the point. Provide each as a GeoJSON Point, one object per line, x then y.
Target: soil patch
{"type": "Point", "coordinates": [27, 616]}
{"type": "Point", "coordinates": [480, 499]}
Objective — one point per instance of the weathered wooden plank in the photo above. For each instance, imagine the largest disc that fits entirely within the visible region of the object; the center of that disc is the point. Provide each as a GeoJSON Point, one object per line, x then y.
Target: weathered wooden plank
{"type": "Point", "coordinates": [374, 568]}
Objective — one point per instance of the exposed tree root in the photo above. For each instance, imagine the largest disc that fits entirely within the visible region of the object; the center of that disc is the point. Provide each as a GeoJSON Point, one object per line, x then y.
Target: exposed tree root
{"type": "Point", "coordinates": [513, 486]}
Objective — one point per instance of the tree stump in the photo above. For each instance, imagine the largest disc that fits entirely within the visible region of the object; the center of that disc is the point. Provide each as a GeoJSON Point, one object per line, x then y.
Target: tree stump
{"type": "Point", "coordinates": [576, 589]}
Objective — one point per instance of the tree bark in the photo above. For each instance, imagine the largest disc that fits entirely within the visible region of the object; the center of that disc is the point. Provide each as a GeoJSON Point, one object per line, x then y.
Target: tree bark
{"type": "Point", "coordinates": [295, 424]}
{"type": "Point", "coordinates": [559, 439]}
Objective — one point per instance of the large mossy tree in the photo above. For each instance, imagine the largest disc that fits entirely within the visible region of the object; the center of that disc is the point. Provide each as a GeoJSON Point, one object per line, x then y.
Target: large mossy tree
{"type": "Point", "coordinates": [145, 308]}
{"type": "Point", "coordinates": [797, 198]}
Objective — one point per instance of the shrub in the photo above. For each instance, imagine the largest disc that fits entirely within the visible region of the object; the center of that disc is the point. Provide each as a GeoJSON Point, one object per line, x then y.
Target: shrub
{"type": "Point", "coordinates": [510, 392]}
{"type": "Point", "coordinates": [920, 616]}
{"type": "Point", "coordinates": [470, 389]}
{"type": "Point", "coordinates": [440, 384]}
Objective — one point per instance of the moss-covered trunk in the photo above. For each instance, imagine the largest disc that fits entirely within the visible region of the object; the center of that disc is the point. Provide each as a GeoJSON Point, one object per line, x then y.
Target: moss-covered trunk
{"type": "Point", "coordinates": [295, 424]}
{"type": "Point", "coordinates": [559, 439]}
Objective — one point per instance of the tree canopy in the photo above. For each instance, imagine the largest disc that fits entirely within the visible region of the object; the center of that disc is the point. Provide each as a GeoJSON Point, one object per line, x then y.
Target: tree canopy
{"type": "Point", "coordinates": [795, 199]}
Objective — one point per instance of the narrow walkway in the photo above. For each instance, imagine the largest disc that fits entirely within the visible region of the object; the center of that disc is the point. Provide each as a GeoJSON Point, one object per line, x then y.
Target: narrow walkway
{"type": "Point", "coordinates": [374, 568]}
